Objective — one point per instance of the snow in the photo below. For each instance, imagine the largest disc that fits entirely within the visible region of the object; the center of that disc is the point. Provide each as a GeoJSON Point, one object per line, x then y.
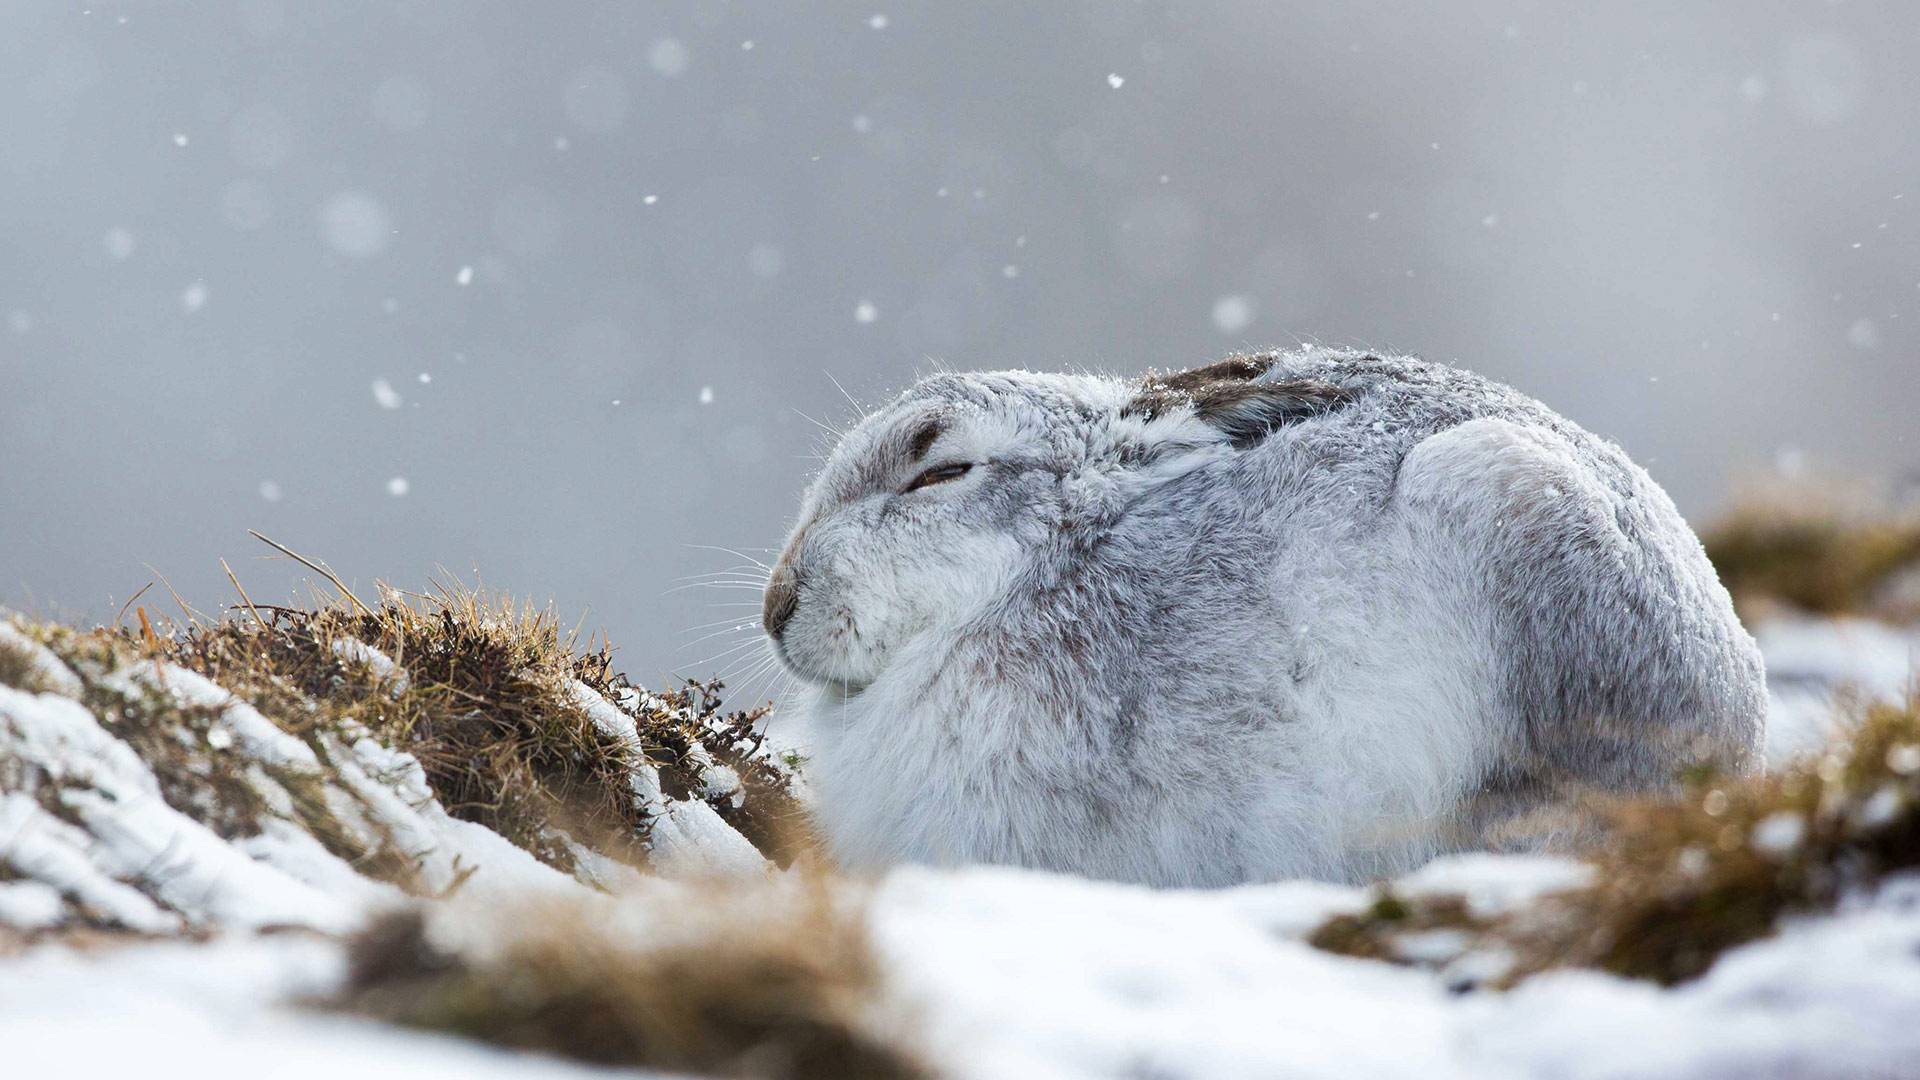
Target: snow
{"type": "Point", "coordinates": [1779, 833]}
{"type": "Point", "coordinates": [356, 651]}
{"type": "Point", "coordinates": [1029, 975]}
{"type": "Point", "coordinates": [448, 852]}
{"type": "Point", "coordinates": [30, 905]}
{"type": "Point", "coordinates": [218, 1010]}
{"type": "Point", "coordinates": [1815, 666]}
{"type": "Point", "coordinates": [1496, 884]}
{"type": "Point", "coordinates": [126, 833]}
{"type": "Point", "coordinates": [385, 395]}
{"type": "Point", "coordinates": [46, 667]}
{"type": "Point", "coordinates": [1830, 997]}
{"type": "Point", "coordinates": [124, 856]}
{"type": "Point", "coordinates": [1002, 972]}
{"type": "Point", "coordinates": [689, 839]}
{"type": "Point", "coordinates": [56, 854]}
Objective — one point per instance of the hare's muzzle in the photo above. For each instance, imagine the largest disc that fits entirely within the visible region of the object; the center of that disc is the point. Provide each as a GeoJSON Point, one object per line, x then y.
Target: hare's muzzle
{"type": "Point", "coordinates": [782, 596]}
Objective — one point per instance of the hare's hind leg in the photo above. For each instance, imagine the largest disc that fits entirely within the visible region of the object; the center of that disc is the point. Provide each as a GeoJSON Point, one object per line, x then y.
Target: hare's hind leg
{"type": "Point", "coordinates": [1623, 661]}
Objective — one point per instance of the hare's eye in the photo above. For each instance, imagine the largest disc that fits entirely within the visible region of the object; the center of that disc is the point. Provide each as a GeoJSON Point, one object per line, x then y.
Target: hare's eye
{"type": "Point", "coordinates": [939, 474]}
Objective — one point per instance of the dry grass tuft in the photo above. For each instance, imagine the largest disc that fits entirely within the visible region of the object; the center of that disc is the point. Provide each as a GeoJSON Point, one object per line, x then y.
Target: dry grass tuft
{"type": "Point", "coordinates": [484, 707]}
{"type": "Point", "coordinates": [488, 705]}
{"type": "Point", "coordinates": [485, 693]}
{"type": "Point", "coordinates": [18, 669]}
{"type": "Point", "coordinates": [1815, 552]}
{"type": "Point", "coordinates": [1680, 880]}
{"type": "Point", "coordinates": [764, 985]}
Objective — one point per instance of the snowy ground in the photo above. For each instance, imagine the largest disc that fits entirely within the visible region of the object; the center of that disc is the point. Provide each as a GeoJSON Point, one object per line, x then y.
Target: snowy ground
{"type": "Point", "coordinates": [1005, 973]}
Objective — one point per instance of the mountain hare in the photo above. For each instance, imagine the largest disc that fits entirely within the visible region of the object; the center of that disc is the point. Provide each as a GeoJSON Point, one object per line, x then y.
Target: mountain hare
{"type": "Point", "coordinates": [1312, 614]}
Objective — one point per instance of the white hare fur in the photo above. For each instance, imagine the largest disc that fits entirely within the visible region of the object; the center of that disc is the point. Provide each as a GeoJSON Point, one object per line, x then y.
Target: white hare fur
{"type": "Point", "coordinates": [1317, 614]}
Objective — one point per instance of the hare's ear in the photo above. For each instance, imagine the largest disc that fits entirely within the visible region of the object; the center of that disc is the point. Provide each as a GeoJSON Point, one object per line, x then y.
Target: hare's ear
{"type": "Point", "coordinates": [1249, 412]}
{"type": "Point", "coordinates": [1226, 397]}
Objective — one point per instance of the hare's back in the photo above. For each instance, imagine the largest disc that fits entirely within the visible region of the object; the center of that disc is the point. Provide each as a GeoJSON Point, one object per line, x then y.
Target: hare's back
{"type": "Point", "coordinates": [1621, 658]}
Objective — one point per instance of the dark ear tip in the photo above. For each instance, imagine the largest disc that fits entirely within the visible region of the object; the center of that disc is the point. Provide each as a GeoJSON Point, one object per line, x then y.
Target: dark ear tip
{"type": "Point", "coordinates": [1227, 396]}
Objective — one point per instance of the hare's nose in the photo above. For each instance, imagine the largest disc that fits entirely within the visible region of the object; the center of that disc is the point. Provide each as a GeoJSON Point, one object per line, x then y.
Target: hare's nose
{"type": "Point", "coordinates": [783, 595]}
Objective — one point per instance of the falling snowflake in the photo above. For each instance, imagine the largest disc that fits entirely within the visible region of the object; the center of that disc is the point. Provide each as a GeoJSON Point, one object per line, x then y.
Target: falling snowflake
{"type": "Point", "coordinates": [193, 297]}
{"type": "Point", "coordinates": [865, 312]}
{"type": "Point", "coordinates": [464, 277]}
{"type": "Point", "coordinates": [119, 244]}
{"type": "Point", "coordinates": [1116, 81]}
{"type": "Point", "coordinates": [386, 395]}
{"type": "Point", "coordinates": [706, 395]}
{"type": "Point", "coordinates": [668, 58]}
{"type": "Point", "coordinates": [1863, 334]}
{"type": "Point", "coordinates": [355, 224]}
{"type": "Point", "coordinates": [1232, 314]}
{"type": "Point", "coordinates": [398, 486]}
{"type": "Point", "coordinates": [765, 260]}
{"type": "Point", "coordinates": [596, 99]}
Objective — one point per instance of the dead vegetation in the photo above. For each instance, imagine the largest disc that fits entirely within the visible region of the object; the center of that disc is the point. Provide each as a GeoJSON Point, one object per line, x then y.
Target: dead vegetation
{"type": "Point", "coordinates": [1819, 552]}
{"type": "Point", "coordinates": [1680, 880]}
{"type": "Point", "coordinates": [491, 697]}
{"type": "Point", "coordinates": [769, 982]}
{"type": "Point", "coordinates": [17, 667]}
{"type": "Point", "coordinates": [1383, 929]}
{"type": "Point", "coordinates": [484, 693]}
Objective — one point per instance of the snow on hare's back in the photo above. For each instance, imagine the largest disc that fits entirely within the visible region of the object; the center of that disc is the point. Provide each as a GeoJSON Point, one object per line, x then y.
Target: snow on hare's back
{"type": "Point", "coordinates": [1317, 614]}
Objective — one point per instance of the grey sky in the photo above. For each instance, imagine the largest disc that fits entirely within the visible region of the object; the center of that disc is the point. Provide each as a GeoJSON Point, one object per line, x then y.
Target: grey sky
{"type": "Point", "coordinates": [600, 258]}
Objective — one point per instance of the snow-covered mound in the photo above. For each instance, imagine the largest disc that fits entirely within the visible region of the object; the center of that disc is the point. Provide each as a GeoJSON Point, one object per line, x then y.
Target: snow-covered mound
{"type": "Point", "coordinates": [136, 794]}
{"type": "Point", "coordinates": [605, 887]}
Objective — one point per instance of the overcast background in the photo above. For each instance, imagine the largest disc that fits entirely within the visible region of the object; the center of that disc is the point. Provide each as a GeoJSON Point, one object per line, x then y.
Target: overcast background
{"type": "Point", "coordinates": [543, 290]}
